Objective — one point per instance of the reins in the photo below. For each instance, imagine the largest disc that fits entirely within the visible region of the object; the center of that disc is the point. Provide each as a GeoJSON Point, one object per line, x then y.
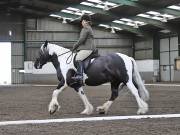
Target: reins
{"type": "Point", "coordinates": [71, 55]}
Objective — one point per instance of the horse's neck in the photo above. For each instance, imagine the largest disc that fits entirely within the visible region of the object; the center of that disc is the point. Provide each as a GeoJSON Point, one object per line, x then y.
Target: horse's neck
{"type": "Point", "coordinates": [54, 60]}
{"type": "Point", "coordinates": [58, 50]}
{"type": "Point", "coordinates": [59, 54]}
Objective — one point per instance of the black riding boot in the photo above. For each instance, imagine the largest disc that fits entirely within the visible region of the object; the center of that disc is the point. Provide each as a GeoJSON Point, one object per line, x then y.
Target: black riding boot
{"type": "Point", "coordinates": [79, 75]}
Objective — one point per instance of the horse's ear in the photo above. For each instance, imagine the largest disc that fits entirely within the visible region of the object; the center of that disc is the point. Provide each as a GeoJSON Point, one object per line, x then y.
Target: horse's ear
{"type": "Point", "coordinates": [45, 44]}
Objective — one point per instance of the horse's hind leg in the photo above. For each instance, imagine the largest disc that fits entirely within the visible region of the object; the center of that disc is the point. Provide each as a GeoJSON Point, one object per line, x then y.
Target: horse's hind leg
{"type": "Point", "coordinates": [88, 107]}
{"type": "Point", "coordinates": [114, 94]}
{"type": "Point", "coordinates": [143, 106]}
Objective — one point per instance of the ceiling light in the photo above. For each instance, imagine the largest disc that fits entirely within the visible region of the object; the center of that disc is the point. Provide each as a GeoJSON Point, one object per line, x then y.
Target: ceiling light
{"type": "Point", "coordinates": [168, 16]}
{"type": "Point", "coordinates": [165, 31]}
{"type": "Point", "coordinates": [53, 15]}
{"type": "Point", "coordinates": [73, 9]}
{"type": "Point", "coordinates": [126, 19]}
{"type": "Point", "coordinates": [144, 15]}
{"type": "Point", "coordinates": [164, 19]}
{"type": "Point", "coordinates": [104, 25]}
{"type": "Point", "coordinates": [117, 28]}
{"type": "Point", "coordinates": [174, 7]}
{"type": "Point", "coordinates": [79, 13]}
{"type": "Point", "coordinates": [64, 20]}
{"type": "Point", "coordinates": [10, 33]}
{"type": "Point", "coordinates": [95, 1]}
{"type": "Point", "coordinates": [154, 13]}
{"type": "Point", "coordinates": [156, 18]}
{"type": "Point", "coordinates": [87, 4]}
{"type": "Point", "coordinates": [140, 23]}
{"type": "Point", "coordinates": [129, 23]}
{"type": "Point", "coordinates": [112, 30]}
{"type": "Point", "coordinates": [100, 6]}
{"type": "Point", "coordinates": [67, 11]}
{"type": "Point", "coordinates": [106, 6]}
{"type": "Point", "coordinates": [118, 21]}
{"type": "Point", "coordinates": [111, 4]}
{"type": "Point", "coordinates": [86, 12]}
{"type": "Point", "coordinates": [136, 25]}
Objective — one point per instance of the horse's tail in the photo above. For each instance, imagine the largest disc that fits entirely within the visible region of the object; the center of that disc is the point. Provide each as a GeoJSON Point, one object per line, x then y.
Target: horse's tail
{"type": "Point", "coordinates": [144, 94]}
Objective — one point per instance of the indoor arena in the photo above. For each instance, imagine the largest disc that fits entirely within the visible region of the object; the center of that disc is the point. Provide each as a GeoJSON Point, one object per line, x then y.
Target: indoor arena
{"type": "Point", "coordinates": [89, 67]}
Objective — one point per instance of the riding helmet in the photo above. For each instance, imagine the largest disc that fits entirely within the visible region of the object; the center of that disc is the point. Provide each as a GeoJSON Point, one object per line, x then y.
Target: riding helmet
{"type": "Point", "coordinates": [86, 17]}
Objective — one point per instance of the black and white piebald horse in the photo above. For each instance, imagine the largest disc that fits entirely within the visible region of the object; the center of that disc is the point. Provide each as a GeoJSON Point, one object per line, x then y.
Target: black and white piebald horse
{"type": "Point", "coordinates": [117, 69]}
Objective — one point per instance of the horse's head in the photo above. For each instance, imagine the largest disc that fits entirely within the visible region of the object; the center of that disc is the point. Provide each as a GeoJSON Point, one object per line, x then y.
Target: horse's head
{"type": "Point", "coordinates": [43, 57]}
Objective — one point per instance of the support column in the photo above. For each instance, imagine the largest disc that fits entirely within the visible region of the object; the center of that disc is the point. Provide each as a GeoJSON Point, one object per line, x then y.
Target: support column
{"type": "Point", "coordinates": [179, 44]}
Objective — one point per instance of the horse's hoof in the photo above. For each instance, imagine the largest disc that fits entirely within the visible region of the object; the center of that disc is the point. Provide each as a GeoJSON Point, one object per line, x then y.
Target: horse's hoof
{"type": "Point", "coordinates": [88, 111]}
{"type": "Point", "coordinates": [55, 108]}
{"type": "Point", "coordinates": [100, 110]}
{"type": "Point", "coordinates": [85, 112]}
{"type": "Point", "coordinates": [142, 111]}
{"type": "Point", "coordinates": [52, 112]}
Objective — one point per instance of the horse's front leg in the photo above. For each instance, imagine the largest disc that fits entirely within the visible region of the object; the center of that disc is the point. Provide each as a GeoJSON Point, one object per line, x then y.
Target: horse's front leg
{"type": "Point", "coordinates": [54, 105]}
{"type": "Point", "coordinates": [88, 106]}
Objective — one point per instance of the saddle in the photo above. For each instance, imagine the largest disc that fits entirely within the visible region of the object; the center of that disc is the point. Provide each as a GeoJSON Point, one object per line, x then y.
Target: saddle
{"type": "Point", "coordinates": [87, 62]}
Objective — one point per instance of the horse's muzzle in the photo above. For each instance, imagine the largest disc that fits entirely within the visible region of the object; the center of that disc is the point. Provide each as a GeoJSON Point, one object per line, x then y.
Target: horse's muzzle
{"type": "Point", "coordinates": [37, 65]}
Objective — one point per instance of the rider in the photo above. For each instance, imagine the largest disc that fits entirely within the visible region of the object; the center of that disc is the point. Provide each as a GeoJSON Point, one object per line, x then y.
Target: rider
{"type": "Point", "coordinates": [84, 46]}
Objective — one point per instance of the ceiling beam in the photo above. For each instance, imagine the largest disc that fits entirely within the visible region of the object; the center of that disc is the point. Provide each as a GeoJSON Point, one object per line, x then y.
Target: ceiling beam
{"type": "Point", "coordinates": [65, 2]}
{"type": "Point", "coordinates": [28, 11]}
{"type": "Point", "coordinates": [128, 28]}
{"type": "Point", "coordinates": [111, 24]}
{"type": "Point", "coordinates": [67, 15]}
{"type": "Point", "coordinates": [104, 12]}
{"type": "Point", "coordinates": [42, 4]}
{"type": "Point", "coordinates": [95, 10]}
{"type": "Point", "coordinates": [146, 20]}
{"type": "Point", "coordinates": [158, 3]}
{"type": "Point", "coordinates": [129, 3]}
{"type": "Point", "coordinates": [122, 26]}
{"type": "Point", "coordinates": [146, 8]}
{"type": "Point", "coordinates": [156, 23]}
{"type": "Point", "coordinates": [170, 11]}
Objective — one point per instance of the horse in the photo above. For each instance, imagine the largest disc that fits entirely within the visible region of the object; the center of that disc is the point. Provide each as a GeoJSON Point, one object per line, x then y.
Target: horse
{"type": "Point", "coordinates": [116, 68]}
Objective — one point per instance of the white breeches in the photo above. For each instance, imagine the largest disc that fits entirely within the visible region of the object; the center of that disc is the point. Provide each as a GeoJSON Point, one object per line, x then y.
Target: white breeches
{"type": "Point", "coordinates": [83, 54]}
